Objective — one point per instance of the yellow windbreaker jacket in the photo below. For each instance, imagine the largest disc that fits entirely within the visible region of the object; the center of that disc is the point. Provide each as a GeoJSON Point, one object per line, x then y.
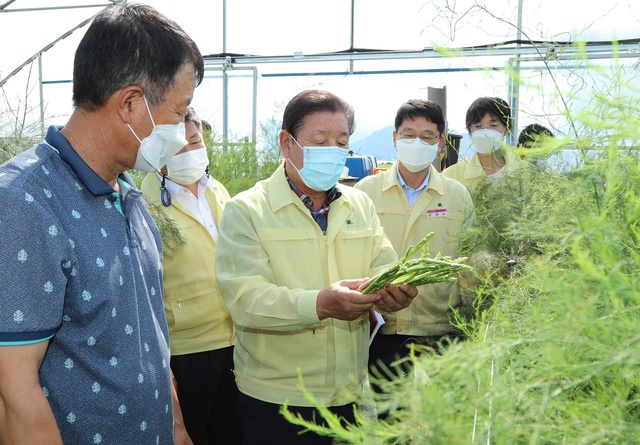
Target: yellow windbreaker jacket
{"type": "Point", "coordinates": [471, 173]}
{"type": "Point", "coordinates": [197, 317]}
{"type": "Point", "coordinates": [272, 261]}
{"type": "Point", "coordinates": [443, 207]}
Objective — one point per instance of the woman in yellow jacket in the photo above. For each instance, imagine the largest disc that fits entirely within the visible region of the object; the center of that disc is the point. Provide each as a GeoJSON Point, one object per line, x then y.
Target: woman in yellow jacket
{"type": "Point", "coordinates": [187, 204]}
{"type": "Point", "coordinates": [488, 122]}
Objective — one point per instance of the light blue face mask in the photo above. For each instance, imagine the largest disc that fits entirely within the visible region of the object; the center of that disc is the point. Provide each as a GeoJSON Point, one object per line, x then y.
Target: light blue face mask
{"type": "Point", "coordinates": [322, 166]}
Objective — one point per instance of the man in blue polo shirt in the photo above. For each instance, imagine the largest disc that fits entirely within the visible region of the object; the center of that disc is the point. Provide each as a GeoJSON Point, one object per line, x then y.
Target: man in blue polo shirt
{"type": "Point", "coordinates": [84, 353]}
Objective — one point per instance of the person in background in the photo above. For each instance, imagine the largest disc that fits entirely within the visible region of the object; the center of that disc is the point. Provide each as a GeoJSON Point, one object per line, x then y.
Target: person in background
{"type": "Point", "coordinates": [413, 199]}
{"type": "Point", "coordinates": [186, 197]}
{"type": "Point", "coordinates": [532, 134]}
{"type": "Point", "coordinates": [291, 253]}
{"type": "Point", "coordinates": [84, 345]}
{"type": "Point", "coordinates": [488, 122]}
{"type": "Point", "coordinates": [535, 136]}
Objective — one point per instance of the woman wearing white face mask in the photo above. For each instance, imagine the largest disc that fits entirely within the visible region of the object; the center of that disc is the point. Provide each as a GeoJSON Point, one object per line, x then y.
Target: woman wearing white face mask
{"type": "Point", "coordinates": [185, 197]}
{"type": "Point", "coordinates": [488, 122]}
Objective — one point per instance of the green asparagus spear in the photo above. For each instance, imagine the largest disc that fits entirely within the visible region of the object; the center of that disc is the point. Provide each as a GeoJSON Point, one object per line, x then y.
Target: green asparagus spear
{"type": "Point", "coordinates": [418, 271]}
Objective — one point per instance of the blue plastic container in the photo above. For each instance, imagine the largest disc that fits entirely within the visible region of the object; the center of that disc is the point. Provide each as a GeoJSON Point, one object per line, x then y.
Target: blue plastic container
{"type": "Point", "coordinates": [361, 166]}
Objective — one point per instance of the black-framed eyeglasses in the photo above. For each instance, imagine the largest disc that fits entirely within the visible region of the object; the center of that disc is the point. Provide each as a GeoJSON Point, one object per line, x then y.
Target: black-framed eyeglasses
{"type": "Point", "coordinates": [427, 139]}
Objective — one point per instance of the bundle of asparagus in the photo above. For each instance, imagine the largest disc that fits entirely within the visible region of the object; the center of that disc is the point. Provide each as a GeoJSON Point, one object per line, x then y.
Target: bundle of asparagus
{"type": "Point", "coordinates": [418, 271]}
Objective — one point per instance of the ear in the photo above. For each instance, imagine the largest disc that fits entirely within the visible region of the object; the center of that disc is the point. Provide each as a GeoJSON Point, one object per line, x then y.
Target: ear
{"type": "Point", "coordinates": [395, 137]}
{"type": "Point", "coordinates": [441, 143]}
{"type": "Point", "coordinates": [285, 143]}
{"type": "Point", "coordinates": [128, 99]}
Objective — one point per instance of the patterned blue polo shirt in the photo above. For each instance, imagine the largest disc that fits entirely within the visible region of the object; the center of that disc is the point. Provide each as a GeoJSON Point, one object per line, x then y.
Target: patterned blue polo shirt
{"type": "Point", "coordinates": [86, 276]}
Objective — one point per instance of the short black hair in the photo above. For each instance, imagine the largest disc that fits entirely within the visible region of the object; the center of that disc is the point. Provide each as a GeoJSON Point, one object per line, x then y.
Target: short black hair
{"type": "Point", "coordinates": [314, 101]}
{"type": "Point", "coordinates": [495, 106]}
{"type": "Point", "coordinates": [131, 44]}
{"type": "Point", "coordinates": [531, 133]}
{"type": "Point", "coordinates": [421, 108]}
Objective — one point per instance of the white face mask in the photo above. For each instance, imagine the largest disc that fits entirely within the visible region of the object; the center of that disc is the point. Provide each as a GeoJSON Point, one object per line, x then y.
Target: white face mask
{"type": "Point", "coordinates": [188, 167]}
{"type": "Point", "coordinates": [486, 140]}
{"type": "Point", "coordinates": [161, 145]}
{"type": "Point", "coordinates": [415, 155]}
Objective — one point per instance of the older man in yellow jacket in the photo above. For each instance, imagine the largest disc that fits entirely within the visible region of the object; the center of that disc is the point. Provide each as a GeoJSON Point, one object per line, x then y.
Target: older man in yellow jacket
{"type": "Point", "coordinates": [292, 255]}
{"type": "Point", "coordinates": [413, 199]}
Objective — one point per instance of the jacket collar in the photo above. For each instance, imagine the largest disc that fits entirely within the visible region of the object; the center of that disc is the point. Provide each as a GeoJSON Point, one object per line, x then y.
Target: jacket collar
{"type": "Point", "coordinates": [281, 195]}
{"type": "Point", "coordinates": [475, 169]}
{"type": "Point", "coordinates": [435, 183]}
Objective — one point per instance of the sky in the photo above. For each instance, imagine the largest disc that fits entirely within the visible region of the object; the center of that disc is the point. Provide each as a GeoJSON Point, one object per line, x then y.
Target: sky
{"type": "Point", "coordinates": [284, 27]}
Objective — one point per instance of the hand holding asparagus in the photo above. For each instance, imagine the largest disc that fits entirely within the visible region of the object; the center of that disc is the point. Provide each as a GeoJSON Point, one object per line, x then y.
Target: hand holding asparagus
{"type": "Point", "coordinates": [418, 271]}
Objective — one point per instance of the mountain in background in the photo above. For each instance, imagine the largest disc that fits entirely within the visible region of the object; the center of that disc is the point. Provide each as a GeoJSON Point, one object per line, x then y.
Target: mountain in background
{"type": "Point", "coordinates": [378, 144]}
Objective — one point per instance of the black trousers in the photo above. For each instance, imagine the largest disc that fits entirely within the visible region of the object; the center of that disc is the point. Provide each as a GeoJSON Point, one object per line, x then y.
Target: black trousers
{"type": "Point", "coordinates": [387, 349]}
{"type": "Point", "coordinates": [208, 396]}
{"type": "Point", "coordinates": [262, 423]}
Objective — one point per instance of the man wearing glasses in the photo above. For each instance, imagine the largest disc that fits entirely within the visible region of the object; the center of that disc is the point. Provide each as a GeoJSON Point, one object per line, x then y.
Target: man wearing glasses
{"type": "Point", "coordinates": [413, 199]}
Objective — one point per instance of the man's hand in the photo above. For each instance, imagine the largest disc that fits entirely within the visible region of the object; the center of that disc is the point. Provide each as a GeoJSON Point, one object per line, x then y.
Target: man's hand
{"type": "Point", "coordinates": [394, 298]}
{"type": "Point", "coordinates": [343, 301]}
{"type": "Point", "coordinates": [180, 435]}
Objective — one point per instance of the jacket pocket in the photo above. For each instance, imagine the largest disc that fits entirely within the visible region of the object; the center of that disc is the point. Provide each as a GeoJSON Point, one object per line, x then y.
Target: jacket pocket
{"type": "Point", "coordinates": [354, 252]}
{"type": "Point", "coordinates": [194, 305]}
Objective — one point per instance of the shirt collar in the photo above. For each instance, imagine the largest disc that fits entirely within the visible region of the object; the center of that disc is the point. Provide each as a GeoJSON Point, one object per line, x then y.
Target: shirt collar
{"type": "Point", "coordinates": [404, 185]}
{"type": "Point", "coordinates": [174, 188]}
{"type": "Point", "coordinates": [90, 179]}
{"type": "Point", "coordinates": [281, 194]}
{"type": "Point", "coordinates": [332, 194]}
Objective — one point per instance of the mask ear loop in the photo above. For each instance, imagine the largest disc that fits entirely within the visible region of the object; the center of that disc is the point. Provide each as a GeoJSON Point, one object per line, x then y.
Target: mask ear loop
{"type": "Point", "coordinates": [149, 110]}
{"type": "Point", "coordinates": [165, 196]}
{"type": "Point", "coordinates": [288, 158]}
